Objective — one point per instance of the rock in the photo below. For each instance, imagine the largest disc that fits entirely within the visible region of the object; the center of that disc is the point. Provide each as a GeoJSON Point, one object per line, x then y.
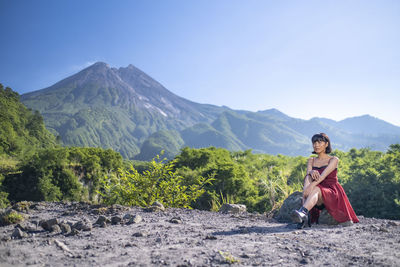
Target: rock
{"type": "Point", "coordinates": [55, 229]}
{"type": "Point", "coordinates": [116, 220]}
{"type": "Point", "coordinates": [345, 224]}
{"type": "Point", "coordinates": [22, 206]}
{"type": "Point", "coordinates": [46, 225]}
{"type": "Point", "coordinates": [156, 206]}
{"type": "Point", "coordinates": [73, 232]}
{"type": "Point", "coordinates": [326, 218]}
{"type": "Point", "coordinates": [18, 233]}
{"type": "Point", "coordinates": [176, 220]}
{"type": "Point", "coordinates": [232, 208]}
{"type": "Point", "coordinates": [140, 234]}
{"type": "Point", "coordinates": [135, 219]}
{"type": "Point", "coordinates": [293, 202]}
{"type": "Point", "coordinates": [61, 245]}
{"type": "Point", "coordinates": [393, 223]}
{"type": "Point", "coordinates": [102, 220]}
{"type": "Point", "coordinates": [27, 227]}
{"type": "Point", "coordinates": [127, 216]}
{"type": "Point", "coordinates": [83, 225]}
{"type": "Point", "coordinates": [65, 228]}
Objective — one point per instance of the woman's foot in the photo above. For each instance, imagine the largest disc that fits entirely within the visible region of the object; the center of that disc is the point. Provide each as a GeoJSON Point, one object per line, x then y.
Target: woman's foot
{"type": "Point", "coordinates": [301, 216]}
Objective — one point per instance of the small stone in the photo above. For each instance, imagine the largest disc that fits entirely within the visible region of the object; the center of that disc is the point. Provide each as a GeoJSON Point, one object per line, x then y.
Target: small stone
{"type": "Point", "coordinates": [140, 234]}
{"type": "Point", "coordinates": [103, 224]}
{"type": "Point", "coordinates": [211, 237]}
{"type": "Point", "coordinates": [27, 227]}
{"type": "Point", "coordinates": [127, 216]}
{"type": "Point", "coordinates": [393, 223]}
{"type": "Point", "coordinates": [176, 220]}
{"type": "Point", "coordinates": [46, 225]}
{"type": "Point", "coordinates": [73, 232]}
{"type": "Point", "coordinates": [18, 233]}
{"type": "Point", "coordinates": [102, 219]}
{"type": "Point", "coordinates": [61, 245]}
{"type": "Point", "coordinates": [135, 219]}
{"type": "Point", "coordinates": [83, 225]}
{"type": "Point", "coordinates": [304, 261]}
{"type": "Point", "coordinates": [156, 206]}
{"type": "Point", "coordinates": [232, 208]}
{"type": "Point", "coordinates": [383, 229]}
{"type": "Point", "coordinates": [65, 228]}
{"type": "Point", "coordinates": [116, 220]}
{"type": "Point", "coordinates": [55, 229]}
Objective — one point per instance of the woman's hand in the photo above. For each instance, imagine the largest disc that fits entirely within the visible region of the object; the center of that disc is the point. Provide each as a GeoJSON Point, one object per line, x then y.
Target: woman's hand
{"type": "Point", "coordinates": [314, 175]}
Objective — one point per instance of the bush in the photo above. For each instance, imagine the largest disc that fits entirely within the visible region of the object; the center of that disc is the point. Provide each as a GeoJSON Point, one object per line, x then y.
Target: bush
{"type": "Point", "coordinates": [159, 182]}
{"type": "Point", "coordinates": [11, 218]}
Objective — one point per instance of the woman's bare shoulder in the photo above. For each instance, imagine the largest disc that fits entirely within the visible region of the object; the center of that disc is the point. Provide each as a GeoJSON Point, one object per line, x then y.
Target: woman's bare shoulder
{"type": "Point", "coordinates": [334, 159]}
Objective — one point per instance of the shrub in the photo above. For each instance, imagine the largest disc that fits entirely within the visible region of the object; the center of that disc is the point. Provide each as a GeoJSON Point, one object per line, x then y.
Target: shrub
{"type": "Point", "coordinates": [11, 218]}
{"type": "Point", "coordinates": [159, 182]}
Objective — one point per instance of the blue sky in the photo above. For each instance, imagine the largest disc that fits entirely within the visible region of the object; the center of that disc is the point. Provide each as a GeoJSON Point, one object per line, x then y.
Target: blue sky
{"type": "Point", "coordinates": [332, 59]}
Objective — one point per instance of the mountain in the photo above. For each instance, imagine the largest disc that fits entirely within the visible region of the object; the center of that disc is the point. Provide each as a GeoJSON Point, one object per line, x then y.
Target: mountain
{"type": "Point", "coordinates": [21, 130]}
{"type": "Point", "coordinates": [116, 108]}
{"type": "Point", "coordinates": [127, 110]}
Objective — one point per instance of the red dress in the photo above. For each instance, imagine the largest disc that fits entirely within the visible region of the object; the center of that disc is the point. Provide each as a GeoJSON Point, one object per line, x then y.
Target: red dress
{"type": "Point", "coordinates": [335, 199]}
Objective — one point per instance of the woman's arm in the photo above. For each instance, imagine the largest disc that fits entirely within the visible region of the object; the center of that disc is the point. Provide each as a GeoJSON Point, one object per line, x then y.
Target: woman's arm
{"type": "Point", "coordinates": [309, 167]}
{"type": "Point", "coordinates": [333, 163]}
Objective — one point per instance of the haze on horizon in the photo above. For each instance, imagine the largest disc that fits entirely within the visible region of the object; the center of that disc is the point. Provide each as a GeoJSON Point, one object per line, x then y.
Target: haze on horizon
{"type": "Point", "coordinates": [332, 59]}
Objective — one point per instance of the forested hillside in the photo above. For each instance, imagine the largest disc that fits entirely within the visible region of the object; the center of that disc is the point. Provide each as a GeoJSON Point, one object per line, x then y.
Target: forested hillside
{"type": "Point", "coordinates": [21, 130]}
{"type": "Point", "coordinates": [34, 167]}
{"type": "Point", "coordinates": [128, 111]}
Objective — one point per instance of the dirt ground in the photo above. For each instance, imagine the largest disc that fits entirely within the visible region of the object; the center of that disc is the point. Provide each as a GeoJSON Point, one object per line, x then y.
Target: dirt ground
{"type": "Point", "coordinates": [182, 237]}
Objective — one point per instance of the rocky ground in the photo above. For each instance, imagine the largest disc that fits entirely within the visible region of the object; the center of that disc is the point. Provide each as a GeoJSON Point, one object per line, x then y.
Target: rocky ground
{"type": "Point", "coordinates": [78, 234]}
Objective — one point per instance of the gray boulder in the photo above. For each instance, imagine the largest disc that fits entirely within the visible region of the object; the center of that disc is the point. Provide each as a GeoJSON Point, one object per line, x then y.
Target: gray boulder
{"type": "Point", "coordinates": [116, 220]}
{"type": "Point", "coordinates": [18, 233]}
{"type": "Point", "coordinates": [65, 228]}
{"type": "Point", "coordinates": [293, 202]}
{"type": "Point", "coordinates": [135, 219]}
{"type": "Point", "coordinates": [156, 206]}
{"type": "Point", "coordinates": [47, 224]}
{"type": "Point", "coordinates": [83, 225]}
{"type": "Point", "coordinates": [102, 221]}
{"type": "Point", "coordinates": [233, 208]}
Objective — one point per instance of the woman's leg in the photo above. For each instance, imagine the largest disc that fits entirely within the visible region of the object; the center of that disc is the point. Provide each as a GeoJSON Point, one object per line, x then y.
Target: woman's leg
{"type": "Point", "coordinates": [315, 198]}
{"type": "Point", "coordinates": [307, 182]}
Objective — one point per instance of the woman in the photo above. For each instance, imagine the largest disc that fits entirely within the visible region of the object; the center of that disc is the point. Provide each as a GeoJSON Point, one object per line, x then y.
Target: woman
{"type": "Point", "coordinates": [321, 188]}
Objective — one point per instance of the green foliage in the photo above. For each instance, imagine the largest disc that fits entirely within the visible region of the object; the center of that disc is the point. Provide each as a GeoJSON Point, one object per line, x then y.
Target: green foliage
{"type": "Point", "coordinates": [158, 182]}
{"type": "Point", "coordinates": [11, 218]}
{"type": "Point", "coordinates": [373, 182]}
{"type": "Point", "coordinates": [21, 130]}
{"type": "Point", "coordinates": [230, 177]}
{"type": "Point", "coordinates": [62, 174]}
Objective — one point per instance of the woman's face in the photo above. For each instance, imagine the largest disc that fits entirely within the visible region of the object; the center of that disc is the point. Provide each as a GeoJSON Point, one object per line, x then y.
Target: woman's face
{"type": "Point", "coordinates": [320, 146]}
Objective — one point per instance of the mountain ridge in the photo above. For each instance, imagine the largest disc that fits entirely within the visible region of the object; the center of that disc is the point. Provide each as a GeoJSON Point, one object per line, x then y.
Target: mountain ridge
{"type": "Point", "coordinates": [121, 108]}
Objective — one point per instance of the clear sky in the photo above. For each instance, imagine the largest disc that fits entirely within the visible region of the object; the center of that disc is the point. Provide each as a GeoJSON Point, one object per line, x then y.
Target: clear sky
{"type": "Point", "coordinates": [332, 59]}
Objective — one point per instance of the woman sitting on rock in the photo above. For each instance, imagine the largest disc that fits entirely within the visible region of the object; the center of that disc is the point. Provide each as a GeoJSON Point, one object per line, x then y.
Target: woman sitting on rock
{"type": "Point", "coordinates": [321, 188]}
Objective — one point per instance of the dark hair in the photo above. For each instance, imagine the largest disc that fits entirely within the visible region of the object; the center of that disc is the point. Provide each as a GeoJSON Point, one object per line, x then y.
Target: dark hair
{"type": "Point", "coordinates": [322, 137]}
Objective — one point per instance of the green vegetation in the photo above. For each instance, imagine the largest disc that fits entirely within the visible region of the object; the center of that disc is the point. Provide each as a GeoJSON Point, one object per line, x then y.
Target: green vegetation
{"type": "Point", "coordinates": [62, 173]}
{"type": "Point", "coordinates": [158, 182]}
{"type": "Point", "coordinates": [33, 167]}
{"type": "Point", "coordinates": [21, 130]}
{"type": "Point", "coordinates": [11, 218]}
